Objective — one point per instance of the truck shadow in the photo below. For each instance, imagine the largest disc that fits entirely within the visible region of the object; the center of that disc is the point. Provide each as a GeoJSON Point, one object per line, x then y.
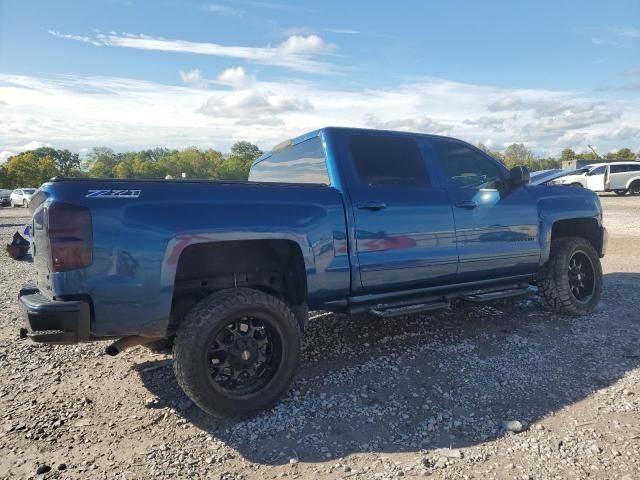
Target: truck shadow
{"type": "Point", "coordinates": [447, 379]}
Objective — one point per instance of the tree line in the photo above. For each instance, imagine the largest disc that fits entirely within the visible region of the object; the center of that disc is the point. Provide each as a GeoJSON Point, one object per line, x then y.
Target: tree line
{"type": "Point", "coordinates": [34, 167]}
{"type": "Point", "coordinates": [519, 154]}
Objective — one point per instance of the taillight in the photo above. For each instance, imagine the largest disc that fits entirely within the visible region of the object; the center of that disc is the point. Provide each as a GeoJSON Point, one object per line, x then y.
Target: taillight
{"type": "Point", "coordinates": [70, 237]}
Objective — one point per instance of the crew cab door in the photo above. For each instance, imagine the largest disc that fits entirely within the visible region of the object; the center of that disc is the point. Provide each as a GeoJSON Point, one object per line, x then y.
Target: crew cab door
{"type": "Point", "coordinates": [496, 226]}
{"type": "Point", "coordinates": [595, 178]}
{"type": "Point", "coordinates": [404, 231]}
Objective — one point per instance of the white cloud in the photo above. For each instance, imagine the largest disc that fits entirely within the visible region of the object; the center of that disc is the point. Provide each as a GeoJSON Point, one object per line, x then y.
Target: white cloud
{"type": "Point", "coordinates": [506, 103]}
{"type": "Point", "coordinates": [221, 9]}
{"type": "Point", "coordinates": [486, 123]}
{"type": "Point", "coordinates": [298, 52]}
{"type": "Point", "coordinates": [194, 79]}
{"type": "Point", "coordinates": [77, 38]}
{"type": "Point", "coordinates": [82, 112]}
{"type": "Point", "coordinates": [296, 44]}
{"type": "Point", "coordinates": [619, 36]}
{"type": "Point", "coordinates": [421, 123]}
{"type": "Point", "coordinates": [251, 103]}
{"type": "Point", "coordinates": [278, 6]}
{"type": "Point", "coordinates": [4, 155]}
{"type": "Point", "coordinates": [236, 78]}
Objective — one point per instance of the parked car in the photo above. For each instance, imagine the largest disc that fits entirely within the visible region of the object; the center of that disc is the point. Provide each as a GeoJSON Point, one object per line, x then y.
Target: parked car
{"type": "Point", "coordinates": [5, 198]}
{"type": "Point", "coordinates": [22, 197]}
{"type": "Point", "coordinates": [618, 177]}
{"type": "Point", "coordinates": [339, 219]}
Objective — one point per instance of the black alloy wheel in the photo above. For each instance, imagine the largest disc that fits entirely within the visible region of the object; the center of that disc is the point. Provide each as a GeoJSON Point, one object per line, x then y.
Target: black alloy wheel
{"type": "Point", "coordinates": [244, 355]}
{"type": "Point", "coordinates": [581, 277]}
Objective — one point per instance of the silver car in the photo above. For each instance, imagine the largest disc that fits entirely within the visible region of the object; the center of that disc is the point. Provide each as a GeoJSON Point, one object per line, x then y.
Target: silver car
{"type": "Point", "coordinates": [21, 197]}
{"type": "Point", "coordinates": [5, 197]}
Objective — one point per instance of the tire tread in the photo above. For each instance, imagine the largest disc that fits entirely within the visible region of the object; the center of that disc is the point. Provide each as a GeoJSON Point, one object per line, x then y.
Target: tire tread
{"type": "Point", "coordinates": [211, 309]}
{"type": "Point", "coordinates": [552, 282]}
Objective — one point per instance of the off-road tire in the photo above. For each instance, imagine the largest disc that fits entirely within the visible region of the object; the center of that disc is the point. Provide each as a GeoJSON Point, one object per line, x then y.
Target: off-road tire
{"type": "Point", "coordinates": [192, 344]}
{"type": "Point", "coordinates": [553, 278]}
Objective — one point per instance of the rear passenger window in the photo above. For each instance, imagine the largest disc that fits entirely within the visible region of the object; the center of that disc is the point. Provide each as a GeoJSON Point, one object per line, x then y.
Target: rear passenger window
{"type": "Point", "coordinates": [301, 163]}
{"type": "Point", "coordinates": [618, 168]}
{"type": "Point", "coordinates": [633, 168]}
{"type": "Point", "coordinates": [386, 160]}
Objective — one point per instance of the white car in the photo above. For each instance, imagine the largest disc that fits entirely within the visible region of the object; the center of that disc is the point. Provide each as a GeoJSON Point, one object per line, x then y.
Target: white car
{"type": "Point", "coordinates": [21, 196]}
{"type": "Point", "coordinates": [618, 177]}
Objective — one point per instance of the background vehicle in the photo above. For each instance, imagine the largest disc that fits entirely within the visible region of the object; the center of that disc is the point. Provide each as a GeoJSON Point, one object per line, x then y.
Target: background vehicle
{"type": "Point", "coordinates": [618, 177]}
{"type": "Point", "coordinates": [5, 198]}
{"type": "Point", "coordinates": [21, 196]}
{"type": "Point", "coordinates": [385, 222]}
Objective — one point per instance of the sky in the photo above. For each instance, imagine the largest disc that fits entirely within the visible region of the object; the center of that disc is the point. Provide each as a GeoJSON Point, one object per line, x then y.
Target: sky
{"type": "Point", "coordinates": [133, 74]}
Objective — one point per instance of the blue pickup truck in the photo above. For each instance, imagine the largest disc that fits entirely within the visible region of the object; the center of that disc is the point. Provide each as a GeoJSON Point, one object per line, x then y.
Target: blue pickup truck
{"type": "Point", "coordinates": [339, 219]}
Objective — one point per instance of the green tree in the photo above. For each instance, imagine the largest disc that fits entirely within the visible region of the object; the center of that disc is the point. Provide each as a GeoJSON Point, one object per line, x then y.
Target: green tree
{"type": "Point", "coordinates": [31, 169]}
{"type": "Point", "coordinates": [622, 155]}
{"type": "Point", "coordinates": [122, 170]}
{"type": "Point", "coordinates": [234, 168]}
{"type": "Point", "coordinates": [67, 163]}
{"type": "Point", "coordinates": [567, 155]}
{"type": "Point", "coordinates": [493, 153]}
{"type": "Point", "coordinates": [101, 162]}
{"type": "Point", "coordinates": [246, 151]}
{"type": "Point", "coordinates": [587, 155]}
{"type": "Point", "coordinates": [5, 181]}
{"type": "Point", "coordinates": [517, 154]}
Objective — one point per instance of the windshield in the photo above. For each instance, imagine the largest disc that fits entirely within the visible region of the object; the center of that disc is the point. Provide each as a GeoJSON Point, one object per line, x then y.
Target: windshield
{"type": "Point", "coordinates": [29, 191]}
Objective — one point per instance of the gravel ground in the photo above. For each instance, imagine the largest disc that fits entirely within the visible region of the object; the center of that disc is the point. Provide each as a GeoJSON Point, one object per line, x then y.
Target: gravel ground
{"type": "Point", "coordinates": [501, 390]}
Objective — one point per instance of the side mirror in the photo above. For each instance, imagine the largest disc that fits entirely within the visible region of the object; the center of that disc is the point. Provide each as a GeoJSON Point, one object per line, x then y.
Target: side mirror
{"type": "Point", "coordinates": [519, 176]}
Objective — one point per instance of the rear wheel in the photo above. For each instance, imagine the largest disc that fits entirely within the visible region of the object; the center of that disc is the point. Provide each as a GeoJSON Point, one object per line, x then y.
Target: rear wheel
{"type": "Point", "coordinates": [634, 188]}
{"type": "Point", "coordinates": [571, 280]}
{"type": "Point", "coordinates": [237, 352]}
{"type": "Point", "coordinates": [620, 192]}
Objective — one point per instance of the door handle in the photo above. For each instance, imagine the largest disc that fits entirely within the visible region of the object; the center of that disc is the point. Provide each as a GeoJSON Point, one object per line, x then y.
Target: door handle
{"type": "Point", "coordinates": [371, 205]}
{"type": "Point", "coordinates": [467, 204]}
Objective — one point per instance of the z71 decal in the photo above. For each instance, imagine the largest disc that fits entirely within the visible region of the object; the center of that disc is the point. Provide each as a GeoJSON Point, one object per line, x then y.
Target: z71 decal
{"type": "Point", "coordinates": [113, 194]}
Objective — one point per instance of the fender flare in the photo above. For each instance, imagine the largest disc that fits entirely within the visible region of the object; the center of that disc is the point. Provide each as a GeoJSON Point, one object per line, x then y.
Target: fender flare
{"type": "Point", "coordinates": [630, 181]}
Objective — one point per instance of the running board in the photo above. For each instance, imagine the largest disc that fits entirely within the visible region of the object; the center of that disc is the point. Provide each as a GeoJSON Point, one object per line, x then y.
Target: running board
{"type": "Point", "coordinates": [484, 296]}
{"type": "Point", "coordinates": [395, 310]}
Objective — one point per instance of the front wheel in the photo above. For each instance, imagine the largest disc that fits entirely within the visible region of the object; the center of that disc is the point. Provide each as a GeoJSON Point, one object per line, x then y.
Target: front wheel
{"type": "Point", "coordinates": [571, 280]}
{"type": "Point", "coordinates": [237, 352]}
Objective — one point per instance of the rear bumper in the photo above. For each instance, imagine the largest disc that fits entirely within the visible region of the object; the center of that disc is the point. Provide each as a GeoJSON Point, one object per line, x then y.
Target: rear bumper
{"type": "Point", "coordinates": [51, 321]}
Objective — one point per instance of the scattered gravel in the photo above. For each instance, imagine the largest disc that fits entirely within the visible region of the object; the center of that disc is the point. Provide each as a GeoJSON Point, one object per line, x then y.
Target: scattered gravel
{"type": "Point", "coordinates": [497, 391]}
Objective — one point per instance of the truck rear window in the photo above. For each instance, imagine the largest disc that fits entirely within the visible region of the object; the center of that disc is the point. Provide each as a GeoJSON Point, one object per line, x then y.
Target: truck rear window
{"type": "Point", "coordinates": [387, 160]}
{"type": "Point", "coordinates": [301, 163]}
